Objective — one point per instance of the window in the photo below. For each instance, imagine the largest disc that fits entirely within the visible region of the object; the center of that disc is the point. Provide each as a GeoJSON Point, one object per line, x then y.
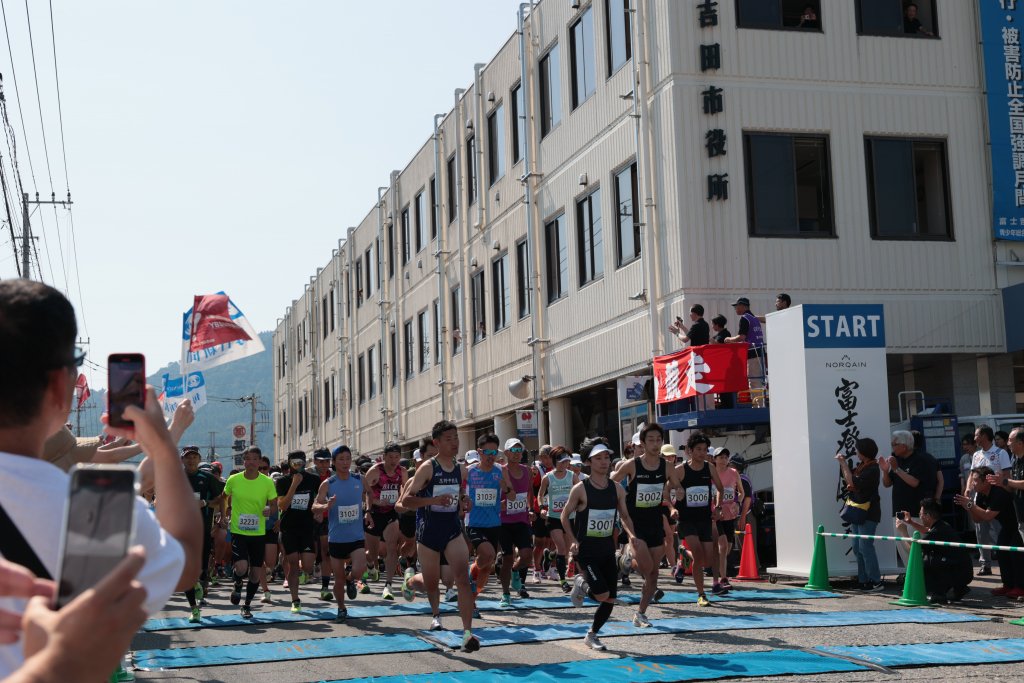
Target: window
{"type": "Point", "coordinates": [437, 332]}
{"type": "Point", "coordinates": [391, 249]}
{"type": "Point", "coordinates": [359, 282]}
{"type": "Point", "coordinates": [496, 144]}
{"type": "Point", "coordinates": [550, 91]}
{"type": "Point", "coordinates": [327, 400]}
{"type": "Point", "coordinates": [348, 294]}
{"type": "Point", "coordinates": [501, 291]}
{"type": "Point", "coordinates": [523, 278]}
{"type": "Point", "coordinates": [908, 189]}
{"type": "Point", "coordinates": [897, 18]}
{"type": "Point", "coordinates": [421, 222]}
{"type": "Point", "coordinates": [371, 371]}
{"type": "Point", "coordinates": [471, 169]}
{"type": "Point", "coordinates": [779, 14]}
{"type": "Point", "coordinates": [394, 358]}
{"type": "Point", "coordinates": [370, 269]}
{"type": "Point", "coordinates": [334, 395]}
{"type": "Point", "coordinates": [434, 208]}
{"type": "Point", "coordinates": [518, 123]}
{"type": "Point", "coordinates": [789, 189]}
{"type": "Point", "coordinates": [590, 245]}
{"type": "Point", "coordinates": [479, 306]}
{"type": "Point", "coordinates": [406, 244]}
{"type": "Point", "coordinates": [627, 225]}
{"type": "Point", "coordinates": [284, 425]}
{"type": "Point", "coordinates": [557, 253]}
{"type": "Point", "coordinates": [410, 367]}
{"type": "Point", "coordinates": [620, 33]}
{"type": "Point", "coordinates": [377, 262]}
{"type": "Point", "coordinates": [453, 190]}
{"type": "Point", "coordinates": [333, 309]}
{"type": "Point", "coordinates": [351, 393]}
{"type": "Point", "coordinates": [362, 379]}
{"type": "Point", "coordinates": [456, 320]}
{"type": "Point", "coordinates": [423, 330]}
{"type": "Point", "coordinates": [324, 316]}
{"type": "Point", "coordinates": [581, 55]}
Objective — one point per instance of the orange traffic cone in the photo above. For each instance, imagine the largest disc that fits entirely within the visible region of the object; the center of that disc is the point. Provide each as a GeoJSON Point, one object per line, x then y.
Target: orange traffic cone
{"type": "Point", "coordinates": [748, 559]}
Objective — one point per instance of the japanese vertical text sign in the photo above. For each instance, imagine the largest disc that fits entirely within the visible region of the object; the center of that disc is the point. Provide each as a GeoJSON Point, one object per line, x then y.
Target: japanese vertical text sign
{"type": "Point", "coordinates": [1001, 43]}
{"type": "Point", "coordinates": [828, 387]}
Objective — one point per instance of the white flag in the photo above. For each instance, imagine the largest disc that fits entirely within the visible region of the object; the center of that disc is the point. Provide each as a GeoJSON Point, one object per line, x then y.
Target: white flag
{"type": "Point", "coordinates": [173, 393]}
{"type": "Point", "coordinates": [224, 353]}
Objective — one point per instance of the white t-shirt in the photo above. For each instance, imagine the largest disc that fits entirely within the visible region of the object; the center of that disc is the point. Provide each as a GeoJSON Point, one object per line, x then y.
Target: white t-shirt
{"type": "Point", "coordinates": [34, 495]}
{"type": "Point", "coordinates": [994, 457]}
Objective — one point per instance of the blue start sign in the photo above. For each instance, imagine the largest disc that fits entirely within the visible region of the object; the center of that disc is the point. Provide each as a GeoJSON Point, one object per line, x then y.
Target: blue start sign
{"type": "Point", "coordinates": [856, 326]}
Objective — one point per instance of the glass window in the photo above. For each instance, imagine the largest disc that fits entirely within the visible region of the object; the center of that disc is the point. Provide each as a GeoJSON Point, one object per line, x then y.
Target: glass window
{"type": "Point", "coordinates": [908, 186]}
{"type": "Point", "coordinates": [456, 320]}
{"type": "Point", "coordinates": [324, 316]}
{"type": "Point", "coordinates": [897, 18]}
{"type": "Point", "coordinates": [410, 350]}
{"type": "Point", "coordinates": [391, 249]}
{"type": "Point", "coordinates": [789, 186]}
{"type": "Point", "coordinates": [334, 308]}
{"type": "Point", "coordinates": [421, 222]}
{"type": "Point", "coordinates": [351, 393]}
{"type": "Point", "coordinates": [581, 55]}
{"type": "Point", "coordinates": [359, 282]}
{"type": "Point", "coordinates": [423, 330]}
{"type": "Point", "coordinates": [518, 123]}
{"type": "Point", "coordinates": [627, 227]}
{"type": "Point", "coordinates": [557, 253]}
{"type": "Point", "coordinates": [501, 291]}
{"type": "Point", "coordinates": [550, 91]}
{"type": "Point", "coordinates": [590, 245]}
{"type": "Point", "coordinates": [471, 169]}
{"type": "Point", "coordinates": [371, 371]}
{"type": "Point", "coordinates": [437, 332]}
{"type": "Point", "coordinates": [620, 33]}
{"type": "Point", "coordinates": [394, 358]}
{"type": "Point", "coordinates": [406, 237]}
{"type": "Point", "coordinates": [523, 278]}
{"type": "Point", "coordinates": [434, 208]}
{"type": "Point", "coordinates": [496, 144]}
{"type": "Point", "coordinates": [479, 306]}
{"type": "Point", "coordinates": [362, 379]}
{"type": "Point", "coordinates": [327, 400]}
{"type": "Point", "coordinates": [453, 192]}
{"type": "Point", "coordinates": [370, 263]}
{"type": "Point", "coordinates": [779, 14]}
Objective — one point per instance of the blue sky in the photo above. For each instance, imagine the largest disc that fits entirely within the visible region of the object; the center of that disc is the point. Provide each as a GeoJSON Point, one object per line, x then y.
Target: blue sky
{"type": "Point", "coordinates": [221, 145]}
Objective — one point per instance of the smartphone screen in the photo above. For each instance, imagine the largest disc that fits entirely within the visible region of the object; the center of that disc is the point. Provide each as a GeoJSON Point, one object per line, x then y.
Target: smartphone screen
{"type": "Point", "coordinates": [126, 385]}
{"type": "Point", "coordinates": [98, 527]}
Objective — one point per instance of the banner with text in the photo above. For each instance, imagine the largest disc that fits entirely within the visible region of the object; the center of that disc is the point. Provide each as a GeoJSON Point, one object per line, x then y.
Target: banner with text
{"type": "Point", "coordinates": [221, 353]}
{"type": "Point", "coordinates": [174, 393]}
{"type": "Point", "coordinates": [709, 369]}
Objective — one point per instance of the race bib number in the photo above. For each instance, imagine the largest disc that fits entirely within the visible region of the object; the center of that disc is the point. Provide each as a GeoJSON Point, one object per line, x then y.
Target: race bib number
{"type": "Point", "coordinates": [196, 494]}
{"type": "Point", "coordinates": [672, 496]}
{"type": "Point", "coordinates": [486, 497]}
{"type": "Point", "coordinates": [648, 495]}
{"type": "Point", "coordinates": [600, 523]}
{"type": "Point", "coordinates": [516, 505]}
{"type": "Point", "coordinates": [698, 497]}
{"type": "Point", "coordinates": [728, 495]}
{"type": "Point", "coordinates": [347, 514]}
{"type": "Point", "coordinates": [248, 522]}
{"type": "Point", "coordinates": [300, 501]}
{"type": "Point", "coordinates": [451, 490]}
{"type": "Point", "coordinates": [389, 497]}
{"type": "Point", "coordinates": [558, 504]}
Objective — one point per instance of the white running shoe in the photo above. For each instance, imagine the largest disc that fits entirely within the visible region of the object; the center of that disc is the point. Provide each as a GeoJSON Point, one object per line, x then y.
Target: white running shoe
{"type": "Point", "coordinates": [640, 620]}
{"type": "Point", "coordinates": [579, 591]}
{"type": "Point", "coordinates": [591, 640]}
{"type": "Point", "coordinates": [435, 624]}
{"type": "Point", "coordinates": [451, 595]}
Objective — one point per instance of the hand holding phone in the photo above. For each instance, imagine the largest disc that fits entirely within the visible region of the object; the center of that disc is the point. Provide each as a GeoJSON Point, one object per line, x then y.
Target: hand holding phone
{"type": "Point", "coordinates": [126, 386]}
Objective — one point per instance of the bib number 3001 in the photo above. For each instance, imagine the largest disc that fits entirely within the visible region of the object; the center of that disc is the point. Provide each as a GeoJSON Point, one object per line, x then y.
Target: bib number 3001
{"type": "Point", "coordinates": [600, 523]}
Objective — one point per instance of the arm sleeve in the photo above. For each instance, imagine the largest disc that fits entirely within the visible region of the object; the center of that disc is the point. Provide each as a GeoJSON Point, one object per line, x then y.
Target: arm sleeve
{"type": "Point", "coordinates": [165, 558]}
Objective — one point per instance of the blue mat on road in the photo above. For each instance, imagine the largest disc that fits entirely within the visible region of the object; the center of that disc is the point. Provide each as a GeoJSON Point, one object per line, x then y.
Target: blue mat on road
{"type": "Point", "coordinates": [420, 607]}
{"type": "Point", "coordinates": [967, 652]}
{"type": "Point", "coordinates": [508, 635]}
{"type": "Point", "coordinates": [644, 669]}
{"type": "Point", "coordinates": [250, 653]}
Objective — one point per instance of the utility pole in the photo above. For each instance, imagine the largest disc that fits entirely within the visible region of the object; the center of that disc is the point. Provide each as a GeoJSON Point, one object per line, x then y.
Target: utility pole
{"type": "Point", "coordinates": [213, 444]}
{"type": "Point", "coordinates": [26, 229]}
{"type": "Point", "coordinates": [251, 398]}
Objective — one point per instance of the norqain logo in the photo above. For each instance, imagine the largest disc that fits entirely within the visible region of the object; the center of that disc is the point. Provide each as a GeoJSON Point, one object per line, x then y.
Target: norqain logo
{"type": "Point", "coordinates": [845, 363]}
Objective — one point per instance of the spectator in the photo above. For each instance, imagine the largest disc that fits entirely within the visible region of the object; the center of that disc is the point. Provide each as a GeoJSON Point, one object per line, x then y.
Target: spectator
{"type": "Point", "coordinates": [967, 449]}
{"type": "Point", "coordinates": [945, 568]}
{"type": "Point", "coordinates": [999, 439]}
{"type": "Point", "coordinates": [998, 460]}
{"type": "Point", "coordinates": [862, 487]}
{"type": "Point", "coordinates": [1014, 483]}
{"type": "Point", "coordinates": [35, 399]}
{"type": "Point", "coordinates": [698, 334]}
{"type": "Point", "coordinates": [994, 503]}
{"type": "Point", "coordinates": [911, 24]}
{"type": "Point", "coordinates": [782, 302]}
{"type": "Point", "coordinates": [940, 480]}
{"type": "Point", "coordinates": [809, 18]}
{"type": "Point", "coordinates": [718, 327]}
{"type": "Point", "coordinates": [750, 333]}
{"type": "Point", "coordinates": [911, 475]}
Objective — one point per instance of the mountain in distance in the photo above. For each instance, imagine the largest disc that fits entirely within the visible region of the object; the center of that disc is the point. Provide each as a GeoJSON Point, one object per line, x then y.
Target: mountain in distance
{"type": "Point", "coordinates": [225, 384]}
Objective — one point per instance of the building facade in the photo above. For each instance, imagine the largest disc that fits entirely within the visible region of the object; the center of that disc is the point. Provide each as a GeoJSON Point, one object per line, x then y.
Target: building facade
{"type": "Point", "coordinates": [620, 160]}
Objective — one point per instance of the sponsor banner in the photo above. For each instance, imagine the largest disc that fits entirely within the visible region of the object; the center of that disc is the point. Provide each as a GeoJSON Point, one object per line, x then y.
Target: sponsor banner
{"type": "Point", "coordinates": [698, 370]}
{"type": "Point", "coordinates": [174, 393]}
{"type": "Point", "coordinates": [526, 423]}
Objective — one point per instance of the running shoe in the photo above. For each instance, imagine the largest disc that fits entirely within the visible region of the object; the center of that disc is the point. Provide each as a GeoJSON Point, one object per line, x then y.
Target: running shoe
{"type": "Point", "coordinates": [214, 580]}
{"type": "Point", "coordinates": [296, 606]}
{"type": "Point", "coordinates": [246, 612]}
{"type": "Point", "coordinates": [959, 593]}
{"type": "Point", "coordinates": [591, 640]}
{"type": "Point", "coordinates": [546, 562]}
{"type": "Point", "coordinates": [236, 597]}
{"type": "Point", "coordinates": [517, 581]}
{"type": "Point", "coordinates": [566, 588]}
{"type": "Point", "coordinates": [364, 588]}
{"type": "Point", "coordinates": [506, 601]}
{"type": "Point", "coordinates": [374, 574]}
{"type": "Point", "coordinates": [1001, 591]}
{"type": "Point", "coordinates": [937, 599]}
{"type": "Point", "coordinates": [985, 570]}
{"type": "Point", "coordinates": [625, 582]}
{"type": "Point", "coordinates": [524, 594]}
{"type": "Point", "coordinates": [626, 561]}
{"type": "Point", "coordinates": [702, 601]}
{"type": "Point", "coordinates": [350, 590]}
{"type": "Point", "coordinates": [718, 589]}
{"type": "Point", "coordinates": [579, 591]}
{"type": "Point", "coordinates": [658, 595]}
{"type": "Point", "coordinates": [196, 616]}
{"type": "Point", "coordinates": [203, 603]}
{"type": "Point", "coordinates": [451, 595]}
{"type": "Point", "coordinates": [640, 620]}
{"type": "Point", "coordinates": [469, 642]}
{"type": "Point", "coordinates": [386, 594]}
{"type": "Point", "coordinates": [326, 595]}
{"type": "Point", "coordinates": [435, 624]}
{"type": "Point", "coordinates": [199, 591]}
{"type": "Point", "coordinates": [341, 616]}
{"type": "Point", "coordinates": [266, 599]}
{"type": "Point", "coordinates": [284, 584]}
{"type": "Point", "coordinates": [679, 574]}
{"type": "Point", "coordinates": [536, 576]}
{"type": "Point", "coordinates": [726, 582]}
{"type": "Point", "coordinates": [553, 574]}
{"type": "Point", "coordinates": [407, 591]}
{"type": "Point", "coordinates": [870, 587]}
{"type": "Point", "coordinates": [303, 578]}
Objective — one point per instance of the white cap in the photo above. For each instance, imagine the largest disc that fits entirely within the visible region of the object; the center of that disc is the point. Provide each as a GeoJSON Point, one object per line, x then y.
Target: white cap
{"type": "Point", "coordinates": [416, 455]}
{"type": "Point", "coordinates": [472, 457]}
{"type": "Point", "coordinates": [636, 438]}
{"type": "Point", "coordinates": [576, 459]}
{"type": "Point", "coordinates": [513, 442]}
{"type": "Point", "coordinates": [600, 448]}
{"type": "Point", "coordinates": [564, 457]}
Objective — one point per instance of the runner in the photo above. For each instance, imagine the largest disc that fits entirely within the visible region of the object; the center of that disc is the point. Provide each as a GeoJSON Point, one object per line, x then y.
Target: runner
{"type": "Point", "coordinates": [694, 480]}
{"type": "Point", "coordinates": [322, 460]}
{"type": "Point", "coordinates": [485, 484]}
{"type": "Point", "coordinates": [253, 499]}
{"type": "Point", "coordinates": [340, 499]}
{"type": "Point", "coordinates": [209, 492]}
{"type": "Point", "coordinates": [596, 502]}
{"type": "Point", "coordinates": [383, 483]}
{"type": "Point", "coordinates": [515, 525]}
{"type": "Point", "coordinates": [541, 537]}
{"type": "Point", "coordinates": [729, 505]}
{"type": "Point", "coordinates": [554, 489]}
{"type": "Point", "coordinates": [650, 480]}
{"type": "Point", "coordinates": [271, 540]}
{"type": "Point", "coordinates": [297, 491]}
{"type": "Point", "coordinates": [437, 489]}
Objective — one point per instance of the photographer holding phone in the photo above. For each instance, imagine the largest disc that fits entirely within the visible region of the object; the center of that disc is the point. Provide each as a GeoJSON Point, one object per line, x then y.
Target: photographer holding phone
{"type": "Point", "coordinates": [38, 366]}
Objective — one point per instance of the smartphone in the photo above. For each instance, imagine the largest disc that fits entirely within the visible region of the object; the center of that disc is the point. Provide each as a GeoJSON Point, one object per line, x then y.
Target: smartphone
{"type": "Point", "coordinates": [126, 385]}
{"type": "Point", "coordinates": [99, 525]}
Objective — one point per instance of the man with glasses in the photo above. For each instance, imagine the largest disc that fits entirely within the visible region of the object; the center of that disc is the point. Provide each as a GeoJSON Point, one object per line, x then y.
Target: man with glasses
{"type": "Point", "coordinates": [209, 494]}
{"type": "Point", "coordinates": [516, 535]}
{"type": "Point", "coordinates": [486, 483]}
{"type": "Point", "coordinates": [912, 477]}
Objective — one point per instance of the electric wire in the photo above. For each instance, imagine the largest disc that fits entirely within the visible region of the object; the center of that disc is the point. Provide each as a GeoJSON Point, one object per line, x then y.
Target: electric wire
{"type": "Point", "coordinates": [60, 111]}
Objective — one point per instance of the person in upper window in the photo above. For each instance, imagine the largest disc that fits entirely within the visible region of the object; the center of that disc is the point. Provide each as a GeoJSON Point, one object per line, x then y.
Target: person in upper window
{"type": "Point", "coordinates": [809, 17]}
{"type": "Point", "coordinates": [911, 24]}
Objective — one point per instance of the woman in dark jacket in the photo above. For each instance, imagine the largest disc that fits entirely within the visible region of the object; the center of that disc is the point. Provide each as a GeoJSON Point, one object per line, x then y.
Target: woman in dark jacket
{"type": "Point", "coordinates": [862, 487]}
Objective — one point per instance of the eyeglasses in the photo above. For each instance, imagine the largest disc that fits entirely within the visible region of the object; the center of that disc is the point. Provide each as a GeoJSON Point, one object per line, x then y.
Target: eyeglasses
{"type": "Point", "coordinates": [515, 450]}
{"type": "Point", "coordinates": [490, 451]}
{"type": "Point", "coordinates": [77, 358]}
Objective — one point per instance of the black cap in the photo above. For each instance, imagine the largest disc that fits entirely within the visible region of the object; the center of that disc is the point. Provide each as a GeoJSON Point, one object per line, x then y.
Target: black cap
{"type": "Point", "coordinates": [185, 450]}
{"type": "Point", "coordinates": [321, 454]}
{"type": "Point", "coordinates": [392, 446]}
{"type": "Point", "coordinates": [742, 301]}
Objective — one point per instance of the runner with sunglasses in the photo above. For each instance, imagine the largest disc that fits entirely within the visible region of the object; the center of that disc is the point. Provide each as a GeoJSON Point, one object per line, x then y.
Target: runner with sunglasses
{"type": "Point", "coordinates": [516, 534]}
{"type": "Point", "coordinates": [487, 484]}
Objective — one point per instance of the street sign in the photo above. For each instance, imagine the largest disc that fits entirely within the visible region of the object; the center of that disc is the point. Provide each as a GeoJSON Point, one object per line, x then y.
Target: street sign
{"type": "Point", "coordinates": [239, 431]}
{"type": "Point", "coordinates": [526, 423]}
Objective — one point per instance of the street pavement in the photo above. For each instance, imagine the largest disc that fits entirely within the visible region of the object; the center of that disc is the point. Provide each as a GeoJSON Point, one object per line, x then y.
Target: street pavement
{"type": "Point", "coordinates": [998, 612]}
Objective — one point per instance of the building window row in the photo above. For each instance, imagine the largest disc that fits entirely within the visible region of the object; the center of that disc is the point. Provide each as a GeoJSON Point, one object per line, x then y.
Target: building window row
{"type": "Point", "coordinates": [874, 17]}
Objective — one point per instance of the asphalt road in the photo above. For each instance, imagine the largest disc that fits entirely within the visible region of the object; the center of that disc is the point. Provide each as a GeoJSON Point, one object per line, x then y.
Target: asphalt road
{"type": "Point", "coordinates": [997, 611]}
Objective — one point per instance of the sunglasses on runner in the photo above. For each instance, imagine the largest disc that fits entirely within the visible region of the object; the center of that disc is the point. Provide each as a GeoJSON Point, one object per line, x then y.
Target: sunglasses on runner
{"type": "Point", "coordinates": [515, 450]}
{"type": "Point", "coordinates": [489, 451]}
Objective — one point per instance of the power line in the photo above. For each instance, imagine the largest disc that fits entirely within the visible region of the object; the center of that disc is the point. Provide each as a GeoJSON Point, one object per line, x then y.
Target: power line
{"type": "Point", "coordinates": [39, 101]}
{"type": "Point", "coordinates": [17, 94]}
{"type": "Point", "coordinates": [60, 112]}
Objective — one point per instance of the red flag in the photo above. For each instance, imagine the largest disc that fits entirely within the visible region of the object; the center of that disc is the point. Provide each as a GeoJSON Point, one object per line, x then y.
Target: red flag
{"type": "Point", "coordinates": [82, 390]}
{"type": "Point", "coordinates": [212, 324]}
{"type": "Point", "coordinates": [710, 369]}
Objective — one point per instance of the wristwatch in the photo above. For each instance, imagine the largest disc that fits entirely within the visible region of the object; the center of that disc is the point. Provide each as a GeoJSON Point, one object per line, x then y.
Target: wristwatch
{"type": "Point", "coordinates": [969, 505]}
